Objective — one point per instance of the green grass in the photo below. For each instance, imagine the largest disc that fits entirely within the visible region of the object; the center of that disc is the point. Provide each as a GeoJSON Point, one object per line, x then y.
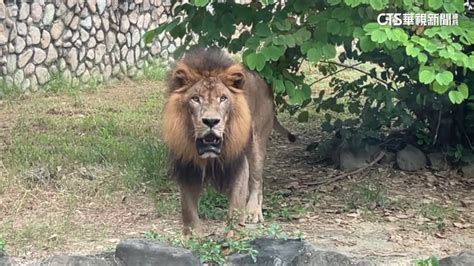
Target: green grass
{"type": "Point", "coordinates": [431, 261]}
{"type": "Point", "coordinates": [154, 71]}
{"type": "Point", "coordinates": [123, 138]}
{"type": "Point", "coordinates": [214, 249]}
{"type": "Point", "coordinates": [368, 195]}
{"type": "Point", "coordinates": [438, 215]}
{"type": "Point", "coordinates": [3, 243]}
{"type": "Point", "coordinates": [212, 205]}
{"type": "Point", "coordinates": [280, 207]}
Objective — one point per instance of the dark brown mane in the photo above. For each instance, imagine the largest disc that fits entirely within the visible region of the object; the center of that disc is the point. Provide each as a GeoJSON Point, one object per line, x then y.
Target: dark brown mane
{"type": "Point", "coordinates": [198, 63]}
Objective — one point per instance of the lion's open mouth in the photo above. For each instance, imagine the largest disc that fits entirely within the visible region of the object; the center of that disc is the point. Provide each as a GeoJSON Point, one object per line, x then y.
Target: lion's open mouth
{"type": "Point", "coordinates": [209, 144]}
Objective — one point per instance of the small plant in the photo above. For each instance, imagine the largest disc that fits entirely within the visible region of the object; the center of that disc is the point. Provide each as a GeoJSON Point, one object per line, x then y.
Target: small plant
{"type": "Point", "coordinates": [438, 214]}
{"type": "Point", "coordinates": [215, 249]}
{"type": "Point", "coordinates": [368, 195]}
{"type": "Point", "coordinates": [279, 208]}
{"type": "Point", "coordinates": [213, 205]}
{"type": "Point", "coordinates": [3, 244]}
{"type": "Point", "coordinates": [154, 71]}
{"type": "Point", "coordinates": [431, 261]}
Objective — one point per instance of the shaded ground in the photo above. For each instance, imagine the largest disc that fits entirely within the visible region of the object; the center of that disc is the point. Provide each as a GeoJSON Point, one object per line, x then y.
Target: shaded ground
{"type": "Point", "coordinates": [72, 181]}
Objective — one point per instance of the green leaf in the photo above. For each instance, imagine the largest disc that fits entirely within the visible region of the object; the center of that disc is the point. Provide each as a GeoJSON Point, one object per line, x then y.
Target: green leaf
{"type": "Point", "coordinates": [378, 36]}
{"type": "Point", "coordinates": [278, 86]}
{"type": "Point", "coordinates": [200, 2]}
{"type": "Point", "coordinates": [456, 97]}
{"type": "Point", "coordinates": [378, 4]}
{"type": "Point", "coordinates": [422, 58]}
{"type": "Point", "coordinates": [263, 30]}
{"type": "Point", "coordinates": [283, 25]}
{"type": "Point", "coordinates": [371, 27]}
{"type": "Point", "coordinates": [366, 44]}
{"type": "Point", "coordinates": [303, 116]}
{"type": "Point", "coordinates": [444, 78]}
{"type": "Point", "coordinates": [333, 26]}
{"type": "Point", "coordinates": [149, 36]}
{"type": "Point", "coordinates": [333, 2]}
{"type": "Point", "coordinates": [255, 61]}
{"type": "Point", "coordinates": [412, 50]}
{"type": "Point", "coordinates": [301, 36]}
{"type": "Point", "coordinates": [426, 74]}
{"type": "Point", "coordinates": [273, 52]}
{"type": "Point", "coordinates": [314, 55]}
{"type": "Point", "coordinates": [441, 89]}
{"type": "Point", "coordinates": [435, 4]}
{"type": "Point", "coordinates": [464, 90]}
{"type": "Point", "coordinates": [329, 51]}
{"type": "Point", "coordinates": [290, 41]}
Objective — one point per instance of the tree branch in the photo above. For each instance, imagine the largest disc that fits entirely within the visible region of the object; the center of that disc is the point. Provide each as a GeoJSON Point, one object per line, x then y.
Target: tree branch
{"type": "Point", "coordinates": [332, 74]}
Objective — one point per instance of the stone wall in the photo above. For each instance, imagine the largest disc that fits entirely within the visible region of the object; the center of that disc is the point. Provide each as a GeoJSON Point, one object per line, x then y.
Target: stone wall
{"type": "Point", "coordinates": [78, 39]}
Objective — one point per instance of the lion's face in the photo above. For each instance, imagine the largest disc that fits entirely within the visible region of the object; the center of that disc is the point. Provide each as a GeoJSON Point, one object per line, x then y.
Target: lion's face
{"type": "Point", "coordinates": [209, 102]}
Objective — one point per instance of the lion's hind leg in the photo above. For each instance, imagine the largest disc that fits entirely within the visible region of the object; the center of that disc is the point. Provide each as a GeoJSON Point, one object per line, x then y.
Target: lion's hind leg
{"type": "Point", "coordinates": [255, 201]}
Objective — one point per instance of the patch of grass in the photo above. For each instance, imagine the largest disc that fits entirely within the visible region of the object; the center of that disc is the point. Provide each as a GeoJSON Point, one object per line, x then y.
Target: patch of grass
{"type": "Point", "coordinates": [154, 71]}
{"type": "Point", "coordinates": [8, 91]}
{"type": "Point", "coordinates": [168, 203]}
{"type": "Point", "coordinates": [3, 244]}
{"type": "Point", "coordinates": [60, 83]}
{"type": "Point", "coordinates": [431, 261]}
{"type": "Point", "coordinates": [280, 207]}
{"type": "Point", "coordinates": [438, 214]}
{"type": "Point", "coordinates": [123, 138]}
{"type": "Point", "coordinates": [212, 205]}
{"type": "Point", "coordinates": [368, 195]}
{"type": "Point", "coordinates": [215, 249]}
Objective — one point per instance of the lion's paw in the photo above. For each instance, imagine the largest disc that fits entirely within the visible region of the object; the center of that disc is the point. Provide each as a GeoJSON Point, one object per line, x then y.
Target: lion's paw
{"type": "Point", "coordinates": [254, 215]}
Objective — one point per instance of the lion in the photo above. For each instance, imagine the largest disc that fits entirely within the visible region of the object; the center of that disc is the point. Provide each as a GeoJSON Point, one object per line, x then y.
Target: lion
{"type": "Point", "coordinates": [218, 118]}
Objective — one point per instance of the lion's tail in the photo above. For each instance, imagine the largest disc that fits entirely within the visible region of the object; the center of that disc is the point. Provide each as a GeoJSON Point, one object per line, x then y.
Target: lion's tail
{"type": "Point", "coordinates": [282, 130]}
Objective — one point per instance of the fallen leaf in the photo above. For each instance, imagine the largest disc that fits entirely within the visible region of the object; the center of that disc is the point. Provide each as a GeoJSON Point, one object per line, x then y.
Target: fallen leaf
{"type": "Point", "coordinates": [461, 225]}
{"type": "Point", "coordinates": [391, 218]}
{"type": "Point", "coordinates": [439, 235]}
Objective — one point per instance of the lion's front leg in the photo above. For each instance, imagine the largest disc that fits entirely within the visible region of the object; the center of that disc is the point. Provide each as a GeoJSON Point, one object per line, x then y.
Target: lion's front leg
{"type": "Point", "coordinates": [189, 208]}
{"type": "Point", "coordinates": [238, 198]}
{"type": "Point", "coordinates": [255, 201]}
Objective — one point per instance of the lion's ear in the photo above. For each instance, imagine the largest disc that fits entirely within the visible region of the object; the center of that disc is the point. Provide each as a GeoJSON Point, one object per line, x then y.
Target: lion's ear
{"type": "Point", "coordinates": [180, 77]}
{"type": "Point", "coordinates": [234, 76]}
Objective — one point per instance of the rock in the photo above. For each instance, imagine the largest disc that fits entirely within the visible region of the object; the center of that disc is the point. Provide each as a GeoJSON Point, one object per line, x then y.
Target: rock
{"type": "Point", "coordinates": [124, 24]}
{"type": "Point", "coordinates": [99, 260]}
{"type": "Point", "coordinates": [146, 20]}
{"type": "Point", "coordinates": [106, 23]}
{"type": "Point", "coordinates": [52, 55]}
{"type": "Point", "coordinates": [74, 23]}
{"type": "Point", "coordinates": [99, 36]}
{"type": "Point", "coordinates": [135, 37]}
{"type": "Point", "coordinates": [11, 63]}
{"type": "Point", "coordinates": [29, 69]}
{"type": "Point", "coordinates": [121, 38]}
{"type": "Point", "coordinates": [91, 43]}
{"type": "Point", "coordinates": [71, 3]}
{"type": "Point", "coordinates": [57, 29]}
{"type": "Point", "coordinates": [39, 56]}
{"type": "Point", "coordinates": [24, 57]}
{"type": "Point", "coordinates": [389, 157]}
{"type": "Point", "coordinates": [97, 21]}
{"type": "Point", "coordinates": [45, 39]}
{"type": "Point", "coordinates": [133, 17]}
{"type": "Point", "coordinates": [42, 75]}
{"type": "Point", "coordinates": [4, 261]}
{"type": "Point", "coordinates": [71, 58]}
{"type": "Point", "coordinates": [24, 11]}
{"type": "Point", "coordinates": [3, 10]}
{"type": "Point", "coordinates": [81, 69]}
{"type": "Point", "coordinates": [35, 35]}
{"type": "Point", "coordinates": [92, 5]}
{"type": "Point", "coordinates": [130, 58]}
{"type": "Point", "coordinates": [48, 14]}
{"type": "Point", "coordinates": [36, 12]}
{"type": "Point", "coordinates": [84, 35]}
{"type": "Point", "coordinates": [101, 4]}
{"type": "Point", "coordinates": [3, 34]}
{"type": "Point", "coordinates": [291, 252]}
{"type": "Point", "coordinates": [352, 158]}
{"type": "Point", "coordinates": [145, 252]}
{"type": "Point", "coordinates": [33, 83]}
{"type": "Point", "coordinates": [20, 44]}
{"type": "Point", "coordinates": [411, 158]}
{"type": "Point", "coordinates": [438, 161]}
{"type": "Point", "coordinates": [21, 28]}
{"type": "Point", "coordinates": [68, 18]}
{"type": "Point", "coordinates": [468, 170]}
{"type": "Point", "coordinates": [18, 78]}
{"type": "Point", "coordinates": [87, 23]}
{"type": "Point", "coordinates": [75, 36]}
{"type": "Point", "coordinates": [99, 52]}
{"type": "Point", "coordinates": [463, 259]}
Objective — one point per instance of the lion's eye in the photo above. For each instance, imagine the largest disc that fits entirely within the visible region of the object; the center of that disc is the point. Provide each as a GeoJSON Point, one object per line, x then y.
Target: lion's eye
{"type": "Point", "coordinates": [195, 99]}
{"type": "Point", "coordinates": [223, 98]}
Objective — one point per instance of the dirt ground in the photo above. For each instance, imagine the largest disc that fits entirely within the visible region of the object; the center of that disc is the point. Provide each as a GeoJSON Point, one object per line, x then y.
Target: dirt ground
{"type": "Point", "coordinates": [380, 212]}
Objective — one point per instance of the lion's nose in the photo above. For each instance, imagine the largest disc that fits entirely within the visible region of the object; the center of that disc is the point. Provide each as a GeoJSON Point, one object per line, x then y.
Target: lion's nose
{"type": "Point", "coordinates": [210, 122]}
